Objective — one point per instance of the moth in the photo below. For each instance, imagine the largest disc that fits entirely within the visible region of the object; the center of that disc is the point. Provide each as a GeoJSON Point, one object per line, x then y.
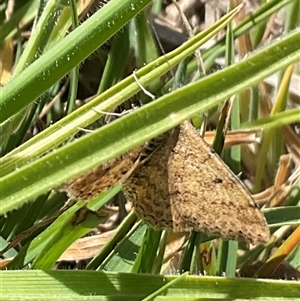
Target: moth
{"type": "Point", "coordinates": [186, 186]}
{"type": "Point", "coordinates": [183, 185]}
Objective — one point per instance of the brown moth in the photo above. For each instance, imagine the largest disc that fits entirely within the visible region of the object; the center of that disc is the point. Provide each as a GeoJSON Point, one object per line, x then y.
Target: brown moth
{"type": "Point", "coordinates": [185, 186]}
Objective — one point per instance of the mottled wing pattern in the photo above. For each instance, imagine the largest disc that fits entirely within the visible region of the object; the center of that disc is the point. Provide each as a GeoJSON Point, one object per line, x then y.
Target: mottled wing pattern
{"type": "Point", "coordinates": [148, 187]}
{"type": "Point", "coordinates": [210, 198]}
{"type": "Point", "coordinates": [103, 177]}
{"type": "Point", "coordinates": [186, 186]}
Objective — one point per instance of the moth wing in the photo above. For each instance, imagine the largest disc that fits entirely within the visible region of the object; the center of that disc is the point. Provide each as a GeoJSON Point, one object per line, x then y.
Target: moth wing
{"type": "Point", "coordinates": [206, 196]}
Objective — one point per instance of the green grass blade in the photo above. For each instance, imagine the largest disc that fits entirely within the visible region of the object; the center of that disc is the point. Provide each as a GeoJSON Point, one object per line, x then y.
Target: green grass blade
{"type": "Point", "coordinates": [69, 52]}
{"type": "Point", "coordinates": [72, 285]}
